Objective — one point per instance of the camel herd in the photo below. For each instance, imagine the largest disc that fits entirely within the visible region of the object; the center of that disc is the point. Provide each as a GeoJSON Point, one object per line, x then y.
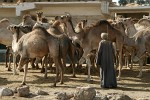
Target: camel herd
{"type": "Point", "coordinates": [44, 40]}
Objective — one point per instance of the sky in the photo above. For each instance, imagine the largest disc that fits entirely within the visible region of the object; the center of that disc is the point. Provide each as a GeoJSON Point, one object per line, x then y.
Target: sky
{"type": "Point", "coordinates": [115, 0]}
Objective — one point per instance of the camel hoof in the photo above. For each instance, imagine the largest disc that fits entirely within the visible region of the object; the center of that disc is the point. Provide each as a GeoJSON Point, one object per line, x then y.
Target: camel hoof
{"type": "Point", "coordinates": [139, 76]}
{"type": "Point", "coordinates": [54, 85]}
{"type": "Point", "coordinates": [118, 78]}
{"type": "Point", "coordinates": [37, 67]}
{"type": "Point", "coordinates": [9, 69]}
{"type": "Point", "coordinates": [45, 77]}
{"type": "Point", "coordinates": [23, 83]}
{"type": "Point", "coordinates": [61, 82]}
{"type": "Point", "coordinates": [88, 79]}
{"type": "Point", "coordinates": [74, 76]}
{"type": "Point", "coordinates": [42, 70]}
{"type": "Point", "coordinates": [15, 73]}
{"type": "Point", "coordinates": [21, 70]}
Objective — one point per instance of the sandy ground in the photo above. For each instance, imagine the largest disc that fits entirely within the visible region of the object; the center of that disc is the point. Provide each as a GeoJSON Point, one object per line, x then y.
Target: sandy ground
{"type": "Point", "coordinates": [129, 84]}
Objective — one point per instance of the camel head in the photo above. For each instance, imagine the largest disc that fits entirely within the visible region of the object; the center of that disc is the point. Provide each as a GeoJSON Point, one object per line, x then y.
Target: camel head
{"type": "Point", "coordinates": [13, 28]}
{"type": "Point", "coordinates": [27, 20]}
{"type": "Point", "coordinates": [43, 25]}
{"type": "Point", "coordinates": [127, 21]}
{"type": "Point", "coordinates": [80, 26]}
{"type": "Point", "coordinates": [39, 14]}
{"type": "Point", "coordinates": [26, 28]}
{"type": "Point", "coordinates": [65, 18]}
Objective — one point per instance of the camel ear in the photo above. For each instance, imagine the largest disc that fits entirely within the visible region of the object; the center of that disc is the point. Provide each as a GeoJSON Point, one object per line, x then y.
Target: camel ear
{"type": "Point", "coordinates": [85, 20]}
{"type": "Point", "coordinates": [56, 17]}
{"type": "Point", "coordinates": [36, 12]}
{"type": "Point", "coordinates": [15, 27]}
{"type": "Point", "coordinates": [8, 27]}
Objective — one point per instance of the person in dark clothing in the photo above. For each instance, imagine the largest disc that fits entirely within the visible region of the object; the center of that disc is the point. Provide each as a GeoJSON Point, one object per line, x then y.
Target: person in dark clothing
{"type": "Point", "coordinates": [105, 60]}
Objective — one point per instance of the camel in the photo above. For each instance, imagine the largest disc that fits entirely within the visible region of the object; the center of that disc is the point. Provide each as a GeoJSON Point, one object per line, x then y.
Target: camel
{"type": "Point", "coordinates": [39, 16]}
{"type": "Point", "coordinates": [134, 28]}
{"type": "Point", "coordinates": [91, 39]}
{"type": "Point", "coordinates": [78, 29]}
{"type": "Point", "coordinates": [131, 30]}
{"type": "Point", "coordinates": [67, 46]}
{"type": "Point", "coordinates": [5, 37]}
{"type": "Point", "coordinates": [36, 44]}
{"type": "Point", "coordinates": [146, 17]}
{"type": "Point", "coordinates": [142, 42]}
{"type": "Point", "coordinates": [27, 20]}
{"type": "Point", "coordinates": [127, 51]}
{"type": "Point", "coordinates": [56, 31]}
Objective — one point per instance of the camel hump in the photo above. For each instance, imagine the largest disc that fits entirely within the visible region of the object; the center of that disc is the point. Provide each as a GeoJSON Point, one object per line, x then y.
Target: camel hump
{"type": "Point", "coordinates": [144, 21]}
{"type": "Point", "coordinates": [4, 20]}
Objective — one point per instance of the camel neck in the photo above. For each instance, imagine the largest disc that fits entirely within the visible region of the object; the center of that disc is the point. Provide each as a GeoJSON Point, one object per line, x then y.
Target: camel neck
{"type": "Point", "coordinates": [70, 29]}
{"type": "Point", "coordinates": [129, 41]}
{"type": "Point", "coordinates": [131, 30]}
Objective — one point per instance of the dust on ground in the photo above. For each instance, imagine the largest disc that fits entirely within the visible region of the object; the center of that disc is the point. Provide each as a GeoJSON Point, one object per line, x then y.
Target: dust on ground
{"type": "Point", "coordinates": [129, 84]}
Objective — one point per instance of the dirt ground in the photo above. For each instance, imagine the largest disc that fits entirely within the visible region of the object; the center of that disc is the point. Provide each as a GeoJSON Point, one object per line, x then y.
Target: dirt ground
{"type": "Point", "coordinates": [129, 84]}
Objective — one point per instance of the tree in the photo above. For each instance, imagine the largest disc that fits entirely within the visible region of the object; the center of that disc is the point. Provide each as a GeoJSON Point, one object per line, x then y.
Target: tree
{"type": "Point", "coordinates": [122, 2]}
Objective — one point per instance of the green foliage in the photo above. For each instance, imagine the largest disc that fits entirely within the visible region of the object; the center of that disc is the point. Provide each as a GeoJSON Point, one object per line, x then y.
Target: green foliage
{"type": "Point", "coordinates": [122, 2]}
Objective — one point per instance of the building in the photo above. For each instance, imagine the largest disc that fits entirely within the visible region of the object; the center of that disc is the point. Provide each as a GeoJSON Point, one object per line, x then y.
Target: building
{"type": "Point", "coordinates": [92, 10]}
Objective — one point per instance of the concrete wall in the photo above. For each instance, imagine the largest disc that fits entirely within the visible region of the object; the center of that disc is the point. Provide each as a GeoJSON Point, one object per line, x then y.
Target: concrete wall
{"type": "Point", "coordinates": [9, 14]}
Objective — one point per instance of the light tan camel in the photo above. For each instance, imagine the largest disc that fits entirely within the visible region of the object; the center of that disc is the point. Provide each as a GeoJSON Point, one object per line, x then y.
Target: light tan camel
{"type": "Point", "coordinates": [39, 16]}
{"type": "Point", "coordinates": [36, 44]}
{"type": "Point", "coordinates": [80, 29]}
{"type": "Point", "coordinates": [142, 41]}
{"type": "Point", "coordinates": [5, 34]}
{"type": "Point", "coordinates": [132, 28]}
{"type": "Point", "coordinates": [127, 51]}
{"type": "Point", "coordinates": [91, 39]}
{"type": "Point", "coordinates": [5, 37]}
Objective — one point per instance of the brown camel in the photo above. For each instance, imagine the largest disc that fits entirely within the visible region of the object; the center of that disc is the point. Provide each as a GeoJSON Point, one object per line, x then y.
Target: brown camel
{"type": "Point", "coordinates": [27, 20]}
{"type": "Point", "coordinates": [36, 44]}
{"type": "Point", "coordinates": [91, 39]}
{"type": "Point", "coordinates": [67, 46]}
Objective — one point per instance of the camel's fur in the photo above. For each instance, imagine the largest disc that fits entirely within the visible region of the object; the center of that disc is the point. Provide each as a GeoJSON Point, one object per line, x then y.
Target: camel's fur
{"type": "Point", "coordinates": [91, 39]}
{"type": "Point", "coordinates": [37, 44]}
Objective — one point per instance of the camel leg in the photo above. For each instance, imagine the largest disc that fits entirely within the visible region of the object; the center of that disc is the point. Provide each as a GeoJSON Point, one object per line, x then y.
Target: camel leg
{"type": "Point", "coordinates": [58, 68]}
{"type": "Point", "coordinates": [25, 74]}
{"type": "Point", "coordinates": [141, 64]}
{"type": "Point", "coordinates": [131, 61]}
{"type": "Point", "coordinates": [120, 61]}
{"type": "Point", "coordinates": [9, 67]}
{"type": "Point", "coordinates": [6, 57]}
{"type": "Point", "coordinates": [61, 69]}
{"type": "Point", "coordinates": [88, 61]}
{"type": "Point", "coordinates": [44, 64]}
{"type": "Point", "coordinates": [14, 64]}
{"type": "Point", "coordinates": [22, 62]}
{"type": "Point", "coordinates": [72, 65]}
